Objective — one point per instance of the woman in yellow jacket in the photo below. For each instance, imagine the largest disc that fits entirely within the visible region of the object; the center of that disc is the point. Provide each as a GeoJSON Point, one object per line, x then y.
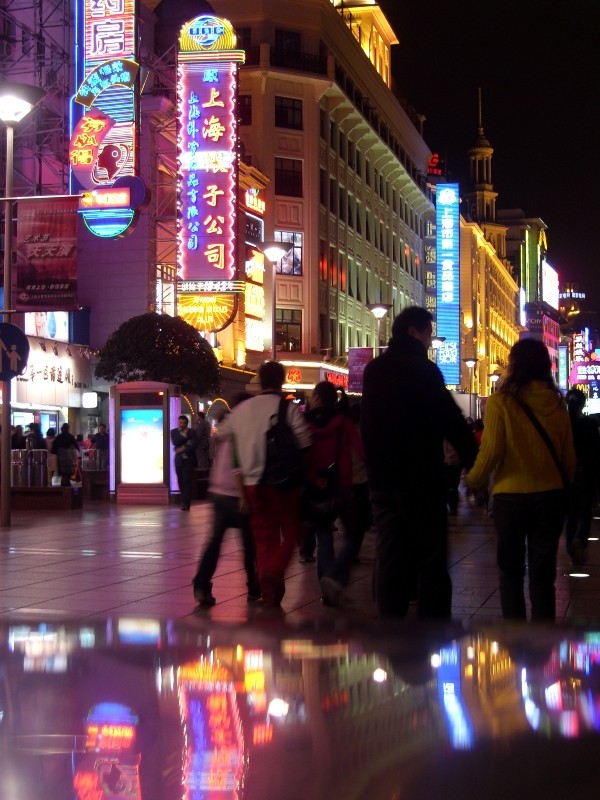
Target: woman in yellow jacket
{"type": "Point", "coordinates": [528, 488]}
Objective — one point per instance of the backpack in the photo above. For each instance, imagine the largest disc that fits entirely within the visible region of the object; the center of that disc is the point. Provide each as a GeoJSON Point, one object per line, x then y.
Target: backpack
{"type": "Point", "coordinates": [284, 461]}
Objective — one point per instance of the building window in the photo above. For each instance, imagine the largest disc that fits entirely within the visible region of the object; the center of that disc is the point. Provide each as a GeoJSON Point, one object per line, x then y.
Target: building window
{"type": "Point", "coordinates": [332, 195]}
{"type": "Point", "coordinates": [287, 41]}
{"type": "Point", "coordinates": [291, 263]}
{"type": "Point", "coordinates": [322, 187]}
{"type": "Point", "coordinates": [245, 109]}
{"type": "Point", "coordinates": [288, 113]}
{"type": "Point", "coordinates": [288, 177]}
{"type": "Point", "coordinates": [244, 38]}
{"type": "Point", "coordinates": [333, 267]}
{"type": "Point", "coordinates": [323, 119]}
{"type": "Point", "coordinates": [288, 330]}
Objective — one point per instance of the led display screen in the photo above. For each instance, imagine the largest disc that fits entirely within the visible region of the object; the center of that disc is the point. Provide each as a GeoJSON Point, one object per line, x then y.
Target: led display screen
{"type": "Point", "coordinates": [448, 280]}
{"type": "Point", "coordinates": [142, 445]}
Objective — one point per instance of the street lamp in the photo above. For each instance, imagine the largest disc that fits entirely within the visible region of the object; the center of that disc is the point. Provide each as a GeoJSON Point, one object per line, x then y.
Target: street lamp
{"type": "Point", "coordinates": [379, 310]}
{"type": "Point", "coordinates": [470, 364]}
{"type": "Point", "coordinates": [16, 101]}
{"type": "Point", "coordinates": [494, 378]}
{"type": "Point", "coordinates": [274, 251]}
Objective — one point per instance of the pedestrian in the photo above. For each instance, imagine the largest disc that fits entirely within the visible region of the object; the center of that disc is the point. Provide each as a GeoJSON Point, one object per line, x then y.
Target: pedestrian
{"type": "Point", "coordinates": [274, 510]}
{"type": "Point", "coordinates": [203, 433]}
{"type": "Point", "coordinates": [17, 439]}
{"type": "Point", "coordinates": [66, 450]}
{"type": "Point", "coordinates": [101, 443]}
{"type": "Point", "coordinates": [184, 441]}
{"type": "Point", "coordinates": [328, 490]}
{"type": "Point", "coordinates": [529, 485]}
{"type": "Point", "coordinates": [587, 477]}
{"type": "Point", "coordinates": [407, 412]}
{"type": "Point", "coordinates": [360, 486]}
{"type": "Point", "coordinates": [452, 472]}
{"type": "Point", "coordinates": [230, 510]}
{"type": "Point", "coordinates": [52, 462]}
{"type": "Point", "coordinates": [34, 439]}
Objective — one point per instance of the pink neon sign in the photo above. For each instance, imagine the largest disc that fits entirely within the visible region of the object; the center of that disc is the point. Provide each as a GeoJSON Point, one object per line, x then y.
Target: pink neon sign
{"type": "Point", "coordinates": [207, 170]}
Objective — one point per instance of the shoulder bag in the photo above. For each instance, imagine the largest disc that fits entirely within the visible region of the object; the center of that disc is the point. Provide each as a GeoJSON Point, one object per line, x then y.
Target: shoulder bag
{"type": "Point", "coordinates": [548, 442]}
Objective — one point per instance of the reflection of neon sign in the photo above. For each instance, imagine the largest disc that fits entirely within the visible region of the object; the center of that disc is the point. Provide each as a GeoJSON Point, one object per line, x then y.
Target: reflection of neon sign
{"type": "Point", "coordinates": [207, 80]}
{"type": "Point", "coordinates": [213, 731]}
{"type": "Point", "coordinates": [448, 281]}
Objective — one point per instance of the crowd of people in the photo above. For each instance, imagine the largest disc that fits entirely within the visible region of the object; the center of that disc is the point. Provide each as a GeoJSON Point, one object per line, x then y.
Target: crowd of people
{"type": "Point", "coordinates": [64, 450]}
{"type": "Point", "coordinates": [394, 463]}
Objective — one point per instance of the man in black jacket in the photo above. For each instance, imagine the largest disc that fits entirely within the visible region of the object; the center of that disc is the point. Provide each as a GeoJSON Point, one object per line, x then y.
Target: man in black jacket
{"type": "Point", "coordinates": [407, 412]}
{"type": "Point", "coordinates": [184, 441]}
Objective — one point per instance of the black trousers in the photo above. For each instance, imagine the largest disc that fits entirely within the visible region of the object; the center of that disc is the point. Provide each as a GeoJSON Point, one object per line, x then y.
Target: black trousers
{"type": "Point", "coordinates": [184, 470]}
{"type": "Point", "coordinates": [528, 526]}
{"type": "Point", "coordinates": [411, 548]}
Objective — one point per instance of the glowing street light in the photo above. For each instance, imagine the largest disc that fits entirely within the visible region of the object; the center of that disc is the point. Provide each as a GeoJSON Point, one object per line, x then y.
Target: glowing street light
{"type": "Point", "coordinates": [470, 364]}
{"type": "Point", "coordinates": [16, 101]}
{"type": "Point", "coordinates": [379, 310]}
{"type": "Point", "coordinates": [494, 378]}
{"type": "Point", "coordinates": [274, 251]}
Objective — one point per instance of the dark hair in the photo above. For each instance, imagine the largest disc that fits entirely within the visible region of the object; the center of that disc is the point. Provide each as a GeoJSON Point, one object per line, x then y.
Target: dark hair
{"type": "Point", "coordinates": [51, 432]}
{"type": "Point", "coordinates": [64, 428]}
{"type": "Point", "coordinates": [183, 416]}
{"type": "Point", "coordinates": [528, 361]}
{"type": "Point", "coordinates": [575, 401]}
{"type": "Point", "coordinates": [201, 415]}
{"type": "Point", "coordinates": [411, 317]}
{"type": "Point", "coordinates": [332, 396]}
{"type": "Point", "coordinates": [271, 375]}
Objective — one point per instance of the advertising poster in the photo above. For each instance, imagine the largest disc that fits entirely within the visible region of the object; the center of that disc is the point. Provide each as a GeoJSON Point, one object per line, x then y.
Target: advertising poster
{"type": "Point", "coordinates": [358, 358]}
{"type": "Point", "coordinates": [46, 262]}
{"type": "Point", "coordinates": [142, 445]}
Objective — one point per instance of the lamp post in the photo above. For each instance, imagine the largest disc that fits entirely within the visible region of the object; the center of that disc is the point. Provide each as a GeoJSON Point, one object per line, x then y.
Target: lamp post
{"type": "Point", "coordinates": [470, 364]}
{"type": "Point", "coordinates": [16, 101]}
{"type": "Point", "coordinates": [494, 378]}
{"type": "Point", "coordinates": [379, 310]}
{"type": "Point", "coordinates": [274, 251]}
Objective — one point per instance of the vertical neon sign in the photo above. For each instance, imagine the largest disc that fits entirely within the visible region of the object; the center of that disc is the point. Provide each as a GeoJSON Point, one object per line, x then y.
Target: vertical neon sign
{"type": "Point", "coordinates": [207, 149]}
{"type": "Point", "coordinates": [448, 280]}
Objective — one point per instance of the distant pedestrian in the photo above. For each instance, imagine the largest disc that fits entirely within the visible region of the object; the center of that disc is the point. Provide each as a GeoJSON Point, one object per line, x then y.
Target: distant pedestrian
{"type": "Point", "coordinates": [52, 462]}
{"type": "Point", "coordinates": [34, 439]}
{"type": "Point", "coordinates": [230, 510]}
{"type": "Point", "coordinates": [452, 472]}
{"type": "Point", "coordinates": [528, 489]}
{"type": "Point", "coordinates": [407, 412]}
{"type": "Point", "coordinates": [203, 434]}
{"type": "Point", "coordinates": [587, 477]}
{"type": "Point", "coordinates": [66, 450]}
{"type": "Point", "coordinates": [101, 443]}
{"type": "Point", "coordinates": [17, 439]}
{"type": "Point", "coordinates": [184, 441]}
{"type": "Point", "coordinates": [274, 511]}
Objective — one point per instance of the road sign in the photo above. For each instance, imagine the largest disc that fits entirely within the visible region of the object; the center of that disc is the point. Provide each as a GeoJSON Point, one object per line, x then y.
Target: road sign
{"type": "Point", "coordinates": [14, 351]}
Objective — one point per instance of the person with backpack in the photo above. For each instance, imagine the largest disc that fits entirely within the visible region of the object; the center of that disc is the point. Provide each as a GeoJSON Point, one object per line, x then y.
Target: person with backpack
{"type": "Point", "coordinates": [270, 438]}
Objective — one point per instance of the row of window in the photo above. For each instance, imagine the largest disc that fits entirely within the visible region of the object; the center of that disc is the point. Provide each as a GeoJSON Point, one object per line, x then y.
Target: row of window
{"type": "Point", "coordinates": [288, 333]}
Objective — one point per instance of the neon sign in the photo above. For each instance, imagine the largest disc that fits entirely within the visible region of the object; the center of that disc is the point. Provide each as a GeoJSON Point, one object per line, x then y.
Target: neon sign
{"type": "Point", "coordinates": [254, 202]}
{"type": "Point", "coordinates": [448, 280]}
{"type": "Point", "coordinates": [207, 149]}
{"type": "Point", "coordinates": [102, 150]}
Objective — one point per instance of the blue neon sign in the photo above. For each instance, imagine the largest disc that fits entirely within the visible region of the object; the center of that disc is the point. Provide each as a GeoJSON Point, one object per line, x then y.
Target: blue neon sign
{"type": "Point", "coordinates": [448, 280]}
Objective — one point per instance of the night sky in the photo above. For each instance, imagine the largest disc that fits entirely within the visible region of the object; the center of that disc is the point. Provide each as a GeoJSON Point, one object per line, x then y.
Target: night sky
{"type": "Point", "coordinates": [537, 64]}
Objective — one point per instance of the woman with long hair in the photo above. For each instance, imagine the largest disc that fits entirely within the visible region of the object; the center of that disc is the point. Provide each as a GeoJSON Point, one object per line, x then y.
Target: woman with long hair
{"type": "Point", "coordinates": [529, 481]}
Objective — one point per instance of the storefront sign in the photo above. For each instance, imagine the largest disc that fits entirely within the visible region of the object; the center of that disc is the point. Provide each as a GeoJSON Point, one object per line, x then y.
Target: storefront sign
{"type": "Point", "coordinates": [207, 312]}
{"type": "Point", "coordinates": [448, 280]}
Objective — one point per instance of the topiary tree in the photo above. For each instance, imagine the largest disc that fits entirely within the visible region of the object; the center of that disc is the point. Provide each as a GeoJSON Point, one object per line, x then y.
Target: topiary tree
{"type": "Point", "coordinates": [157, 347]}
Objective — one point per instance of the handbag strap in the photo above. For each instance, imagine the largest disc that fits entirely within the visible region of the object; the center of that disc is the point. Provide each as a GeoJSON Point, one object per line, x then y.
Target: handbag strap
{"type": "Point", "coordinates": [547, 441]}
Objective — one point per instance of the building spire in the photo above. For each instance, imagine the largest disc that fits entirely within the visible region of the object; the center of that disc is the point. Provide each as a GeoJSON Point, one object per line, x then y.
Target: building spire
{"type": "Point", "coordinates": [481, 141]}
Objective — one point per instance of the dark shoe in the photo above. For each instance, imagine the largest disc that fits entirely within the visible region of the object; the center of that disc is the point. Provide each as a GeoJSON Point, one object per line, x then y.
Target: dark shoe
{"type": "Point", "coordinates": [273, 589]}
{"type": "Point", "coordinates": [307, 559]}
{"type": "Point", "coordinates": [185, 508]}
{"type": "Point", "coordinates": [331, 591]}
{"type": "Point", "coordinates": [254, 593]}
{"type": "Point", "coordinates": [204, 597]}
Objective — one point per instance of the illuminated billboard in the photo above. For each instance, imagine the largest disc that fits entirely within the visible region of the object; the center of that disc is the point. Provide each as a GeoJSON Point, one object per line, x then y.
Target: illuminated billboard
{"type": "Point", "coordinates": [550, 293]}
{"type": "Point", "coordinates": [102, 149]}
{"type": "Point", "coordinates": [448, 281]}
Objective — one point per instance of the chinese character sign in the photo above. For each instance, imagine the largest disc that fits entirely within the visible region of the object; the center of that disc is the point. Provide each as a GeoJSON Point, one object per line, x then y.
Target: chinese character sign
{"type": "Point", "coordinates": [207, 140]}
{"type": "Point", "coordinates": [448, 280]}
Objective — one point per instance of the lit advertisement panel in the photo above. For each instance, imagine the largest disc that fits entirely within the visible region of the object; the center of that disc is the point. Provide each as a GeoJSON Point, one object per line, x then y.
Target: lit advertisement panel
{"type": "Point", "coordinates": [550, 293]}
{"type": "Point", "coordinates": [448, 281]}
{"type": "Point", "coordinates": [207, 149]}
{"type": "Point", "coordinates": [142, 445]}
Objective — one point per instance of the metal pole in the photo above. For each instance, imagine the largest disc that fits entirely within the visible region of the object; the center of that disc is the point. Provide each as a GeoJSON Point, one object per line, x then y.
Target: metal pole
{"type": "Point", "coordinates": [6, 415]}
{"type": "Point", "coordinates": [471, 395]}
{"type": "Point", "coordinates": [273, 313]}
{"type": "Point", "coordinates": [377, 349]}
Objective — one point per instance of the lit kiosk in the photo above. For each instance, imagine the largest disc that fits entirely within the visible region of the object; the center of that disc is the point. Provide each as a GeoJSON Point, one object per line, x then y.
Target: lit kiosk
{"type": "Point", "coordinates": [142, 414]}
